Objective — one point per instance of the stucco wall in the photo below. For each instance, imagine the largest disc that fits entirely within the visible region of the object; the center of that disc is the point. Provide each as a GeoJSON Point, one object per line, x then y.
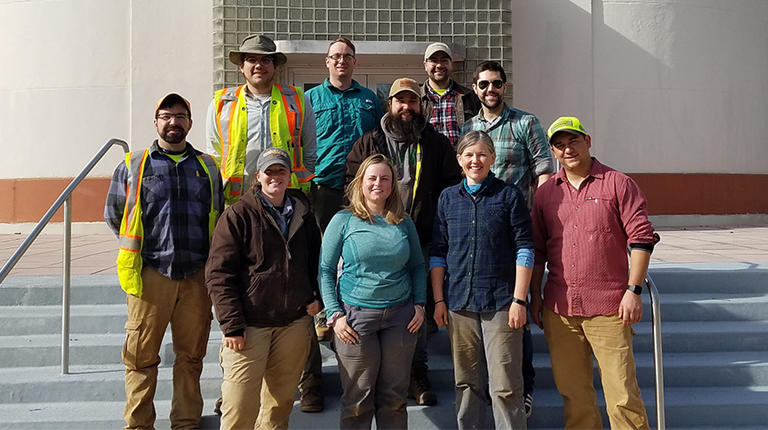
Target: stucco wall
{"type": "Point", "coordinates": [663, 86]}
{"type": "Point", "coordinates": [75, 73]}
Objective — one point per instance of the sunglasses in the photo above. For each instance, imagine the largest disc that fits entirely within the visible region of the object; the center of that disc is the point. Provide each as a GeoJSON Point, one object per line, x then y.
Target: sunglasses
{"type": "Point", "coordinates": [498, 83]}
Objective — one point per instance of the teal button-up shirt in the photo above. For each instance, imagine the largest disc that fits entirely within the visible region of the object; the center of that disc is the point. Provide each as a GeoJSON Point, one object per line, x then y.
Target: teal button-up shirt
{"type": "Point", "coordinates": [342, 117]}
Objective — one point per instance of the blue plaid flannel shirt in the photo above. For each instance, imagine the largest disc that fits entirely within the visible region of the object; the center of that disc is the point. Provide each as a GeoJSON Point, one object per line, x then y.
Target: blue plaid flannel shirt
{"type": "Point", "coordinates": [175, 200]}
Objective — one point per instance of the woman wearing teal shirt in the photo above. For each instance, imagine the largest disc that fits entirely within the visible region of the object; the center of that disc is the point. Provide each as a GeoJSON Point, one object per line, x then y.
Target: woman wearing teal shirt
{"type": "Point", "coordinates": [378, 306]}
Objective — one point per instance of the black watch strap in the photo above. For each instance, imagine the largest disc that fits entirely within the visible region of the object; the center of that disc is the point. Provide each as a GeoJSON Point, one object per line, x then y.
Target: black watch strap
{"type": "Point", "coordinates": [519, 302]}
{"type": "Point", "coordinates": [637, 289]}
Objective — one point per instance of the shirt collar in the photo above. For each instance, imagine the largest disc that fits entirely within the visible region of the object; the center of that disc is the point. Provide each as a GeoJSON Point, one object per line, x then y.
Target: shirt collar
{"type": "Point", "coordinates": [597, 171]}
{"type": "Point", "coordinates": [355, 86]}
{"type": "Point", "coordinates": [433, 92]}
{"type": "Point", "coordinates": [154, 149]}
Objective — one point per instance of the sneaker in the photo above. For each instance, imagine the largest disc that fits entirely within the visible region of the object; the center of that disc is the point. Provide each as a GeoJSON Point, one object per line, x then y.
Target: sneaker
{"type": "Point", "coordinates": [311, 400]}
{"type": "Point", "coordinates": [419, 388]}
{"type": "Point", "coordinates": [217, 407]}
{"type": "Point", "coordinates": [321, 328]}
{"type": "Point", "coordinates": [528, 403]}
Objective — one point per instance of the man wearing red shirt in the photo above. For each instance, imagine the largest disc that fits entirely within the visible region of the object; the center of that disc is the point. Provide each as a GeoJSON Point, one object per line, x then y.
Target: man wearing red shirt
{"type": "Point", "coordinates": [583, 220]}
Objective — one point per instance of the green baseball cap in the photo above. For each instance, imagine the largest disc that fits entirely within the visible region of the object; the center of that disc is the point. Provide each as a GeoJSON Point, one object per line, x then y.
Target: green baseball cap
{"type": "Point", "coordinates": [570, 124]}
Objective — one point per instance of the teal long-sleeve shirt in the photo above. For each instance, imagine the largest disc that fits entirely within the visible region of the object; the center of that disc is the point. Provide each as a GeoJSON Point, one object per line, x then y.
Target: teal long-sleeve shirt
{"type": "Point", "coordinates": [383, 264]}
{"type": "Point", "coordinates": [342, 117]}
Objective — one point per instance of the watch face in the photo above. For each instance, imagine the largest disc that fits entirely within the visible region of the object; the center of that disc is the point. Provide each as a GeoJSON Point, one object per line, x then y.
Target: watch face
{"type": "Point", "coordinates": [637, 289]}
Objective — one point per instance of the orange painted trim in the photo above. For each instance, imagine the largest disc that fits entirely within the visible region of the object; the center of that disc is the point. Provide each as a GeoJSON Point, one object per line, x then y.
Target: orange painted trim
{"type": "Point", "coordinates": [27, 200]}
{"type": "Point", "coordinates": [704, 194]}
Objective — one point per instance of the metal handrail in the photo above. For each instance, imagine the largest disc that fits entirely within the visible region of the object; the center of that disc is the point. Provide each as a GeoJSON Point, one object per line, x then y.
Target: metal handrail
{"type": "Point", "coordinates": [658, 367]}
{"type": "Point", "coordinates": [66, 199]}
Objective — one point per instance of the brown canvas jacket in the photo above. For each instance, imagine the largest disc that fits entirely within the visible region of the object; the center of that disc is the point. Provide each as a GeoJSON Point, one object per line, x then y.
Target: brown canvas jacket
{"type": "Point", "coordinates": [255, 276]}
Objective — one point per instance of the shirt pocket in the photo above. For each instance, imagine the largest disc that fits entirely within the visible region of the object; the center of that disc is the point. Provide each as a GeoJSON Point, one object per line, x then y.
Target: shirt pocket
{"type": "Point", "coordinates": [201, 189]}
{"type": "Point", "coordinates": [365, 110]}
{"type": "Point", "coordinates": [599, 214]}
{"type": "Point", "coordinates": [154, 188]}
{"type": "Point", "coordinates": [326, 115]}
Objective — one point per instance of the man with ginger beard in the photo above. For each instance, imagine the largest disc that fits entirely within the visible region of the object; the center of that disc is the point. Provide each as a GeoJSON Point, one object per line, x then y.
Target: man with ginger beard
{"type": "Point", "coordinates": [426, 164]}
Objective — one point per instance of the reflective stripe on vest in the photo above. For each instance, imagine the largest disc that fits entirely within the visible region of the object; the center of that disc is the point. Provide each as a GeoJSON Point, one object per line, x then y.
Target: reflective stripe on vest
{"type": "Point", "coordinates": [129, 261]}
{"type": "Point", "coordinates": [287, 103]}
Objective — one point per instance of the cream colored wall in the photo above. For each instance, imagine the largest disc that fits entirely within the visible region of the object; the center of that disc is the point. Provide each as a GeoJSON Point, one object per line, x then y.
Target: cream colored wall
{"type": "Point", "coordinates": [677, 86]}
{"type": "Point", "coordinates": [75, 73]}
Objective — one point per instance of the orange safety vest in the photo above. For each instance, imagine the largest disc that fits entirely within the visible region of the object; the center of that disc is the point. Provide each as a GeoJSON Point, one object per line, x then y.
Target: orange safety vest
{"type": "Point", "coordinates": [129, 261]}
{"type": "Point", "coordinates": [286, 119]}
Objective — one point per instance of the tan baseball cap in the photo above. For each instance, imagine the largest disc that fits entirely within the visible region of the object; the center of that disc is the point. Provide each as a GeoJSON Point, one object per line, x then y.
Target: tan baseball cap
{"type": "Point", "coordinates": [437, 47]}
{"type": "Point", "coordinates": [404, 84]}
{"type": "Point", "coordinates": [177, 99]}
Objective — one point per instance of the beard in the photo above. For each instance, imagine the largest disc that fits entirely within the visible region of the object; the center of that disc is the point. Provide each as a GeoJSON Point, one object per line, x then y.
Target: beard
{"type": "Point", "coordinates": [492, 105]}
{"type": "Point", "coordinates": [406, 130]}
{"type": "Point", "coordinates": [173, 135]}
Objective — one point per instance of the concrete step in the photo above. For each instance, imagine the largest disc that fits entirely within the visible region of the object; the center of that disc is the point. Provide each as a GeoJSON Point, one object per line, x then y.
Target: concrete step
{"type": "Point", "coordinates": [105, 382]}
{"type": "Point", "coordinates": [95, 319]}
{"type": "Point", "coordinates": [110, 318]}
{"type": "Point", "coordinates": [85, 349]}
{"type": "Point", "coordinates": [710, 307]}
{"type": "Point", "coordinates": [730, 408]}
{"type": "Point", "coordinates": [712, 277]}
{"type": "Point", "coordinates": [46, 290]}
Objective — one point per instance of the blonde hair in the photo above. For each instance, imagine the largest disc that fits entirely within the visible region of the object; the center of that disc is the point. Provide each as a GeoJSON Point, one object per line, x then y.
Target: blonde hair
{"type": "Point", "coordinates": [393, 208]}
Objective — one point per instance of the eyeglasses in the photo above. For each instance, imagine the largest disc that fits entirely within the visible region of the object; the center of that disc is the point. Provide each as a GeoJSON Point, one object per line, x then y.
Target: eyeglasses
{"type": "Point", "coordinates": [444, 61]}
{"type": "Point", "coordinates": [180, 117]}
{"type": "Point", "coordinates": [338, 57]}
{"type": "Point", "coordinates": [265, 61]}
{"type": "Point", "coordinates": [498, 83]}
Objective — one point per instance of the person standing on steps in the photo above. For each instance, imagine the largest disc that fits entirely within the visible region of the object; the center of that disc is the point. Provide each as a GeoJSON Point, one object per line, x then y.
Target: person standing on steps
{"type": "Point", "coordinates": [584, 219]}
{"type": "Point", "coordinates": [344, 110]}
{"type": "Point", "coordinates": [163, 203]}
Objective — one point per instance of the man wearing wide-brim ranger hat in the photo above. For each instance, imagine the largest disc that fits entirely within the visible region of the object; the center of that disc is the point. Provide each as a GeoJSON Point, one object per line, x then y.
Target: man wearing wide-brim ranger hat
{"type": "Point", "coordinates": [243, 121]}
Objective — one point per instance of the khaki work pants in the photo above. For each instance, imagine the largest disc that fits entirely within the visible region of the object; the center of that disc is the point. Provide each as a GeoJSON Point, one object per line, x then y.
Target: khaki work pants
{"type": "Point", "coordinates": [572, 341]}
{"type": "Point", "coordinates": [186, 306]}
{"type": "Point", "coordinates": [260, 380]}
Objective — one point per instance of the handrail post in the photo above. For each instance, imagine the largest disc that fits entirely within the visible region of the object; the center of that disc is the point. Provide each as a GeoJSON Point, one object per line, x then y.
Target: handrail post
{"type": "Point", "coordinates": [67, 254]}
{"type": "Point", "coordinates": [658, 365]}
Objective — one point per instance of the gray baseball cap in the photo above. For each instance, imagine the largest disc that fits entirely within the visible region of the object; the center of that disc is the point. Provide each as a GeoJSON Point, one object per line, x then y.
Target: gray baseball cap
{"type": "Point", "coordinates": [272, 156]}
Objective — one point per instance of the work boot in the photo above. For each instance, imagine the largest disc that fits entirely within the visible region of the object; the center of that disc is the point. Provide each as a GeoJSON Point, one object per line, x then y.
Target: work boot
{"type": "Point", "coordinates": [311, 399]}
{"type": "Point", "coordinates": [217, 407]}
{"type": "Point", "coordinates": [419, 388]}
{"type": "Point", "coordinates": [321, 327]}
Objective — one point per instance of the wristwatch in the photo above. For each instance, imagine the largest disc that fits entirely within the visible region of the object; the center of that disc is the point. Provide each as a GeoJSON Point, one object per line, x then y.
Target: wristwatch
{"type": "Point", "coordinates": [519, 302]}
{"type": "Point", "coordinates": [637, 289]}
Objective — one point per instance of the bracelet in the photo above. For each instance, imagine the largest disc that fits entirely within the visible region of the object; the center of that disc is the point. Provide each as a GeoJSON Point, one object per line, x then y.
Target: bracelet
{"type": "Point", "coordinates": [440, 301]}
{"type": "Point", "coordinates": [519, 302]}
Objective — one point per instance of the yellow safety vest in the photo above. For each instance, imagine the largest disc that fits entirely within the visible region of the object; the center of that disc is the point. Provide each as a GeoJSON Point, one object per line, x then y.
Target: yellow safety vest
{"type": "Point", "coordinates": [129, 261]}
{"type": "Point", "coordinates": [286, 119]}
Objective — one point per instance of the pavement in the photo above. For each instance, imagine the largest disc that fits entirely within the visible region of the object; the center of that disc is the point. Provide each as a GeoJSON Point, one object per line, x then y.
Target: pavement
{"type": "Point", "coordinates": [96, 253]}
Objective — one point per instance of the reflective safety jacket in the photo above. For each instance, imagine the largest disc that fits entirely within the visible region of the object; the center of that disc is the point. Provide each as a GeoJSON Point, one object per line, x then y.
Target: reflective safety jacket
{"type": "Point", "coordinates": [129, 261]}
{"type": "Point", "coordinates": [286, 119]}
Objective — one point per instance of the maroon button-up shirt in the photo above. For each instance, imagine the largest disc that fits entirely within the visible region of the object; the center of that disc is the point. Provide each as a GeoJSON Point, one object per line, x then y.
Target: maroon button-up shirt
{"type": "Point", "coordinates": [583, 235]}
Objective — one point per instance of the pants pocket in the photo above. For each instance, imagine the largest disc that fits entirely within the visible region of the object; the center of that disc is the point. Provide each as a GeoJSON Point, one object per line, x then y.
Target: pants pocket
{"type": "Point", "coordinates": [132, 346]}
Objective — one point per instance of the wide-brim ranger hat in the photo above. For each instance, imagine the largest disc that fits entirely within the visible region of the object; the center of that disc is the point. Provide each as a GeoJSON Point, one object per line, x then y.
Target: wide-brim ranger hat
{"type": "Point", "coordinates": [404, 84]}
{"type": "Point", "coordinates": [571, 124]}
{"type": "Point", "coordinates": [257, 44]}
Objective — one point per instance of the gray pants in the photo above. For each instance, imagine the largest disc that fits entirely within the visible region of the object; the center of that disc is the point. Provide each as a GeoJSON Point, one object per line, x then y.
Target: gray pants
{"type": "Point", "coordinates": [483, 345]}
{"type": "Point", "coordinates": [374, 370]}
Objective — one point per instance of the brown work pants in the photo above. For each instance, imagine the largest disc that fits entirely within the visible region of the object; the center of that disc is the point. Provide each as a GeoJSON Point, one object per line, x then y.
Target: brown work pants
{"type": "Point", "coordinates": [186, 306]}
{"type": "Point", "coordinates": [572, 341]}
